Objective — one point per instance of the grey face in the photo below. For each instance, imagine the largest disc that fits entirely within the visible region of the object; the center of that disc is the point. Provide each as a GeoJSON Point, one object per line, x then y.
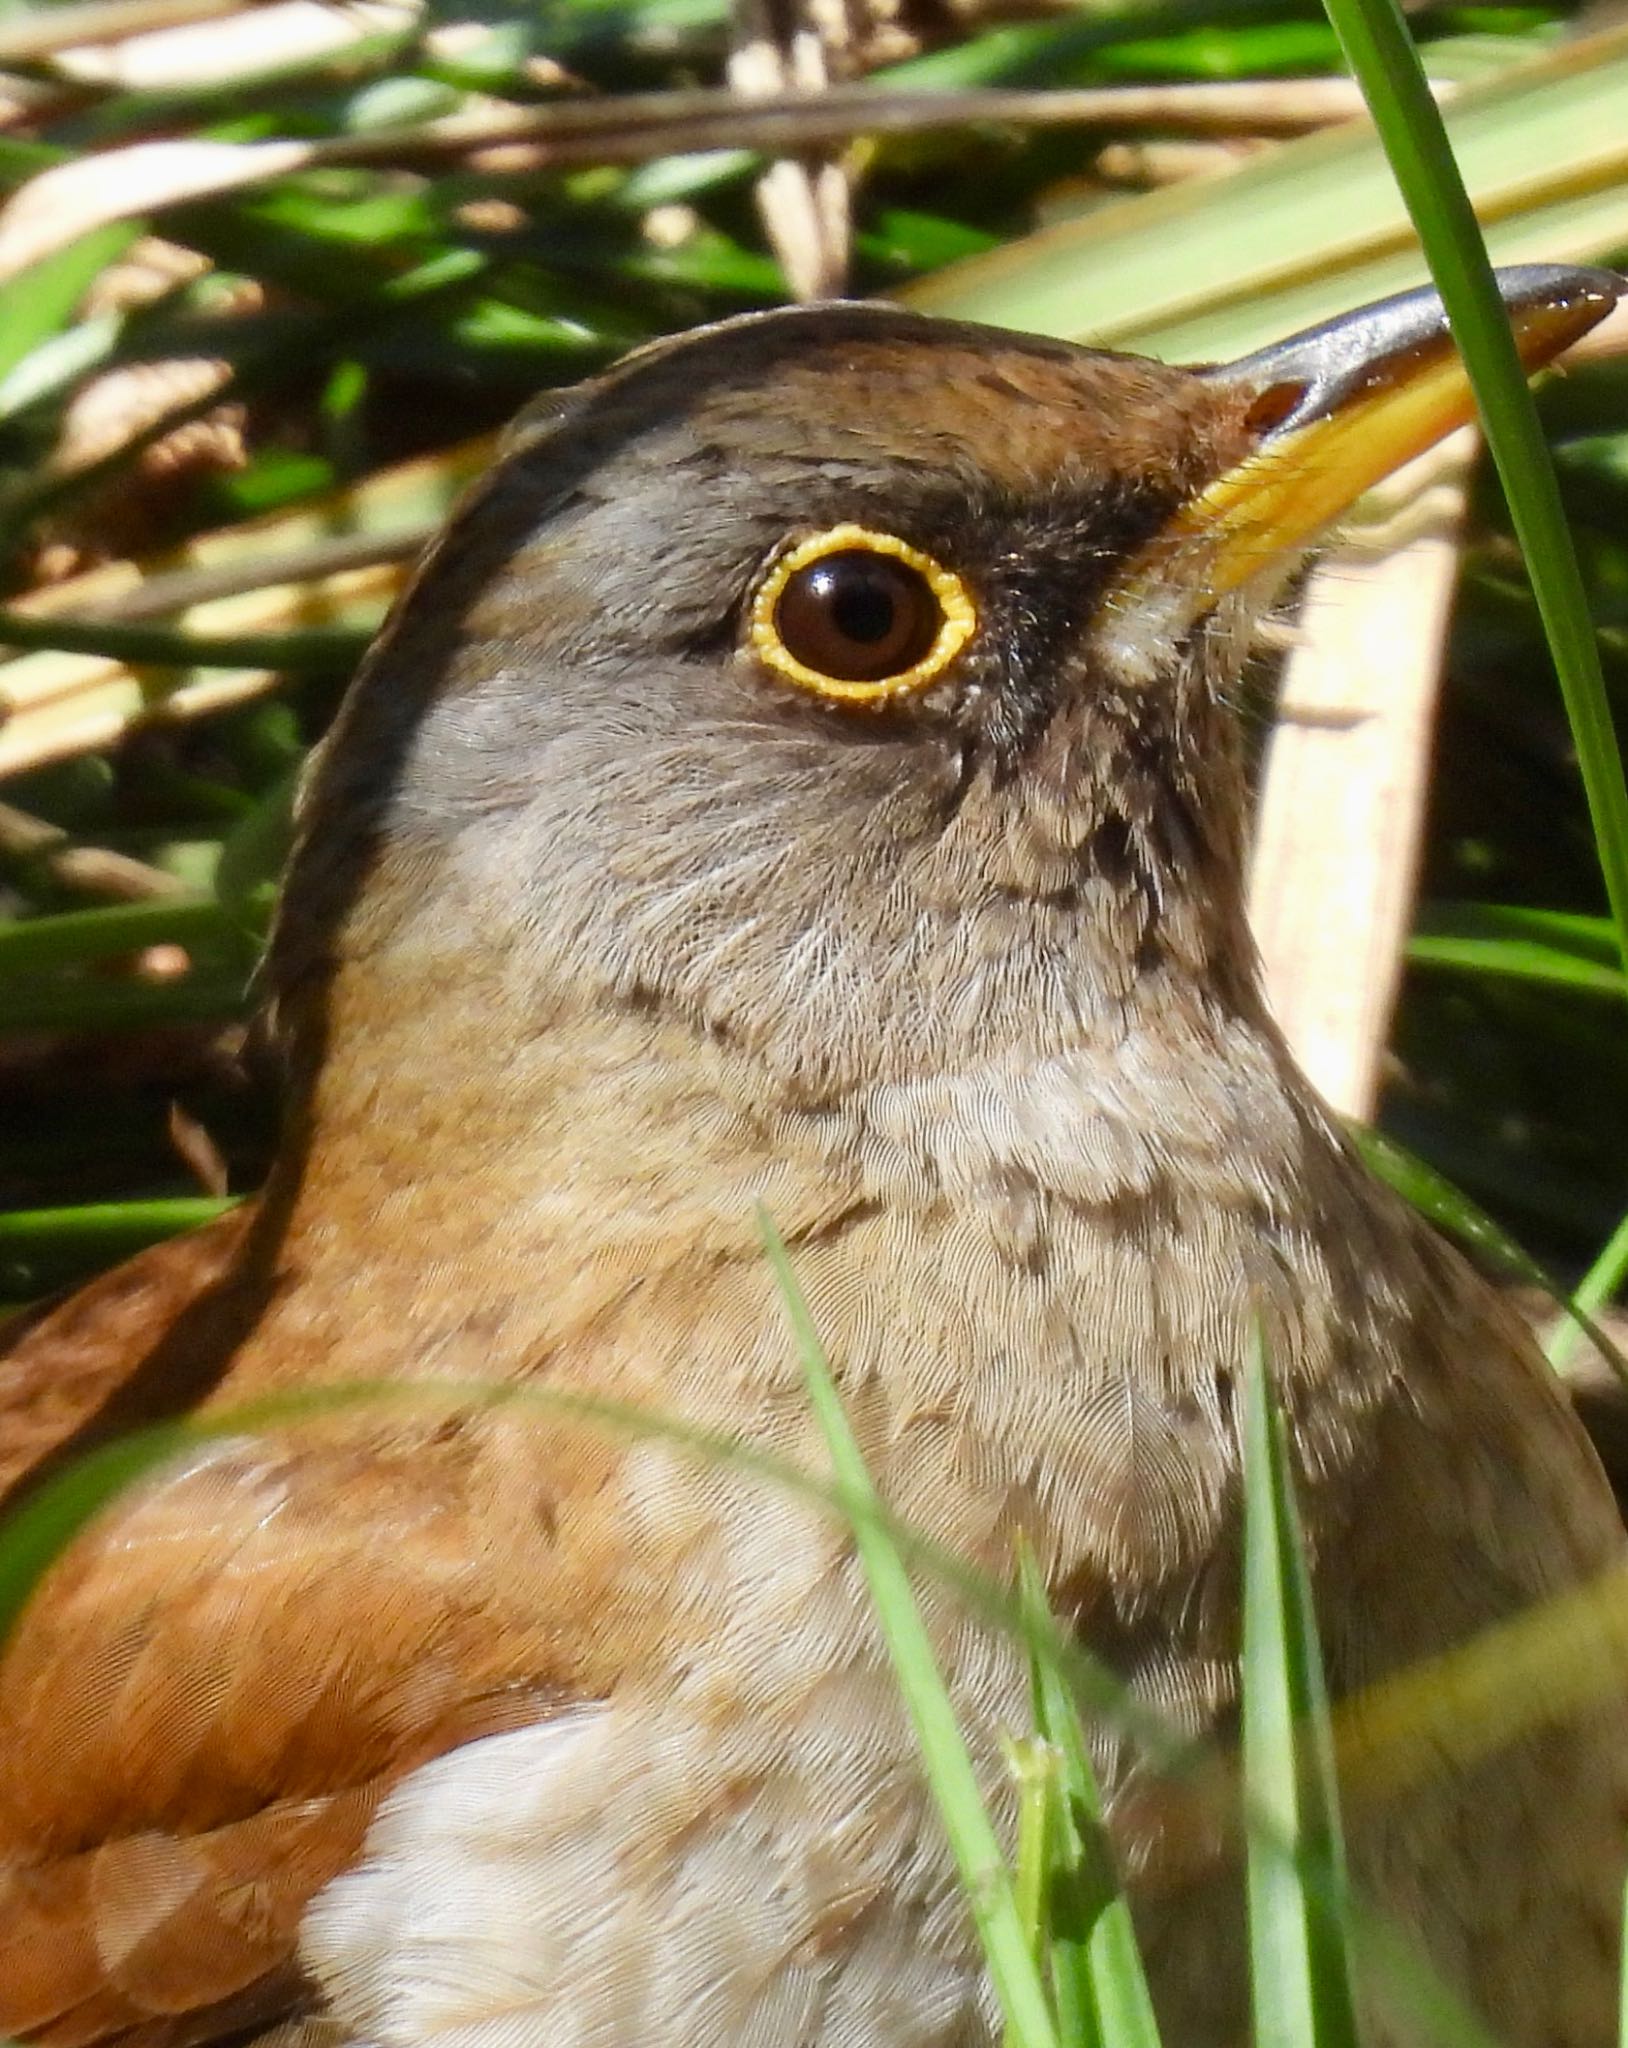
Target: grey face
{"type": "Point", "coordinates": [567, 744]}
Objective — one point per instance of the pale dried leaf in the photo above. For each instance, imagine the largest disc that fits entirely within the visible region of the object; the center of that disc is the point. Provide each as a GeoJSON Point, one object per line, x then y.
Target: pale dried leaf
{"type": "Point", "coordinates": [56, 704]}
{"type": "Point", "coordinates": [70, 199]}
{"type": "Point", "coordinates": [249, 40]}
{"type": "Point", "coordinates": [1347, 774]}
{"type": "Point", "coordinates": [28, 36]}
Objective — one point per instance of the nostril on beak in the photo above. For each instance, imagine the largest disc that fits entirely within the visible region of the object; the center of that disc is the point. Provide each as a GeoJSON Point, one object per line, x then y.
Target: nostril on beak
{"type": "Point", "coordinates": [1277, 403]}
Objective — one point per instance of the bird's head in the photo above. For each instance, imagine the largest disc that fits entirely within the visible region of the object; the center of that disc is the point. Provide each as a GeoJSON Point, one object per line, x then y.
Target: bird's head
{"type": "Point", "coordinates": [855, 685]}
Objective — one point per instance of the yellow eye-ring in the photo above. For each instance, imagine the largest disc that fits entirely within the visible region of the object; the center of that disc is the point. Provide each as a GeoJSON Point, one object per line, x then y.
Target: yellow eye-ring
{"type": "Point", "coordinates": [860, 616]}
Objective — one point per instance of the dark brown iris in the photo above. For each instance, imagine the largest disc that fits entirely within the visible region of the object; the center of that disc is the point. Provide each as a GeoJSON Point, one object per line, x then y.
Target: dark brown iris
{"type": "Point", "coordinates": [858, 616]}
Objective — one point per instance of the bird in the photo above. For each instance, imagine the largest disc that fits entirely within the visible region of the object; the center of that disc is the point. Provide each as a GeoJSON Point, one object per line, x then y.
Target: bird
{"type": "Point", "coordinates": [804, 779]}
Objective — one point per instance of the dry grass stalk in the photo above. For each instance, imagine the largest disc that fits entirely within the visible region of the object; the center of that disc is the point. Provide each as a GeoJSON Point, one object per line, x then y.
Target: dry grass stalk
{"type": "Point", "coordinates": [86, 870]}
{"type": "Point", "coordinates": [1347, 774]}
{"type": "Point", "coordinates": [53, 705]}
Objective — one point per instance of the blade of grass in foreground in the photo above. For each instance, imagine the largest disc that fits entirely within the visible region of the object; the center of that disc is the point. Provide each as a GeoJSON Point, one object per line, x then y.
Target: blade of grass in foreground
{"type": "Point", "coordinates": [1033, 1764]}
{"type": "Point", "coordinates": [1382, 56]}
{"type": "Point", "coordinates": [1436, 1199]}
{"type": "Point", "coordinates": [1622, 2016]}
{"type": "Point", "coordinates": [1300, 1978]}
{"type": "Point", "coordinates": [1594, 1291]}
{"type": "Point", "coordinates": [36, 1533]}
{"type": "Point", "coordinates": [1096, 1968]}
{"type": "Point", "coordinates": [984, 1873]}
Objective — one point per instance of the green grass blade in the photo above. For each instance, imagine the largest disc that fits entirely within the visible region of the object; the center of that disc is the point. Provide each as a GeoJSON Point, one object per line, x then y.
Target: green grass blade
{"type": "Point", "coordinates": [1517, 960]}
{"type": "Point", "coordinates": [1436, 1198]}
{"type": "Point", "coordinates": [324, 648]}
{"type": "Point", "coordinates": [89, 1004]}
{"type": "Point", "coordinates": [1591, 939]}
{"type": "Point", "coordinates": [1300, 1977]}
{"type": "Point", "coordinates": [1622, 2011]}
{"type": "Point", "coordinates": [1097, 1978]}
{"type": "Point", "coordinates": [1381, 54]}
{"type": "Point", "coordinates": [119, 1224]}
{"type": "Point", "coordinates": [41, 302]}
{"type": "Point", "coordinates": [42, 1250]}
{"type": "Point", "coordinates": [1033, 1764]}
{"type": "Point", "coordinates": [72, 938]}
{"type": "Point", "coordinates": [38, 1531]}
{"type": "Point", "coordinates": [984, 1873]}
{"type": "Point", "coordinates": [1597, 1287]}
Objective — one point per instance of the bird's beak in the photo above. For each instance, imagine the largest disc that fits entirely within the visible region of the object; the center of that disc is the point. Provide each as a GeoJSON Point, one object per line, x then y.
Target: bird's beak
{"type": "Point", "coordinates": [1339, 407]}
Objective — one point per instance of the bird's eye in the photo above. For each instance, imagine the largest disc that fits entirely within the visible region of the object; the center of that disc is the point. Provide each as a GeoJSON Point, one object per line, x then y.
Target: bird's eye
{"type": "Point", "coordinates": [860, 616]}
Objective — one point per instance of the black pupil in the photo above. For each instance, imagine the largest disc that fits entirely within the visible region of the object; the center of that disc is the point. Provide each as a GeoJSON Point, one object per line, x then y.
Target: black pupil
{"type": "Point", "coordinates": [862, 608]}
{"type": "Point", "coordinates": [858, 616]}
